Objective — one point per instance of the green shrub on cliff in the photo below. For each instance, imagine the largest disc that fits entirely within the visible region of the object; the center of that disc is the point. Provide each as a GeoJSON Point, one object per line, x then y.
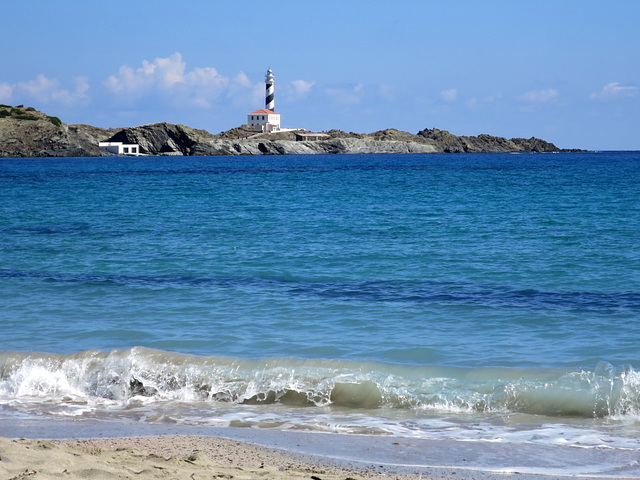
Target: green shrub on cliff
{"type": "Point", "coordinates": [56, 121]}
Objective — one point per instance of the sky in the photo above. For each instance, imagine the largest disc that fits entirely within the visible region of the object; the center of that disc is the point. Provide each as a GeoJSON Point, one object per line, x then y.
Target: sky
{"type": "Point", "coordinates": [566, 71]}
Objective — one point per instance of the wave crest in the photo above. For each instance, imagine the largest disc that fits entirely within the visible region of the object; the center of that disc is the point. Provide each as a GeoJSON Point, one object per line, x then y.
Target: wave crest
{"type": "Point", "coordinates": [120, 376]}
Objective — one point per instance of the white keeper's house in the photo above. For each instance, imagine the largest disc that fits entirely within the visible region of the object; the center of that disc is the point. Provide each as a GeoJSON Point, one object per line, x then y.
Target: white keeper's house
{"type": "Point", "coordinates": [264, 120]}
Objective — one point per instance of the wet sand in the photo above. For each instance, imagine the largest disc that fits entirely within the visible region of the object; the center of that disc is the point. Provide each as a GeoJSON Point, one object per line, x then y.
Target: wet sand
{"type": "Point", "coordinates": [199, 457]}
{"type": "Point", "coordinates": [188, 457]}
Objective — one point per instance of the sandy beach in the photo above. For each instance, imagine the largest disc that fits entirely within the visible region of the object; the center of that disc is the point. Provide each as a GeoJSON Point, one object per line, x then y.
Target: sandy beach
{"type": "Point", "coordinates": [203, 457]}
{"type": "Point", "coordinates": [188, 457]}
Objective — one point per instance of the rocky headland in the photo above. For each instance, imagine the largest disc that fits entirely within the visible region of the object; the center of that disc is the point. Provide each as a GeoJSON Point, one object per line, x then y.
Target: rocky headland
{"type": "Point", "coordinates": [26, 132]}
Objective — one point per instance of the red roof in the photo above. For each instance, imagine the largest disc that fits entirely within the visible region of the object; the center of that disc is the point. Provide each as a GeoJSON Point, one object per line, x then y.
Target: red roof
{"type": "Point", "coordinates": [263, 111]}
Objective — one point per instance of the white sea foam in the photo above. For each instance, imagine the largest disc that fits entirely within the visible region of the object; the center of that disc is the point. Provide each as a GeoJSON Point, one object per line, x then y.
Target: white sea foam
{"type": "Point", "coordinates": [154, 376]}
{"type": "Point", "coordinates": [582, 408]}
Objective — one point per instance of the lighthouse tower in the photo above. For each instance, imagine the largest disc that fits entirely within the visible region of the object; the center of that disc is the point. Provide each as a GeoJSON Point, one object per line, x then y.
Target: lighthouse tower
{"type": "Point", "coordinates": [266, 119]}
{"type": "Point", "coordinates": [269, 102]}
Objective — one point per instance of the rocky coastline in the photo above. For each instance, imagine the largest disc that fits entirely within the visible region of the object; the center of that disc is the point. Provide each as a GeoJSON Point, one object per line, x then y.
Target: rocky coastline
{"type": "Point", "coordinates": [26, 132]}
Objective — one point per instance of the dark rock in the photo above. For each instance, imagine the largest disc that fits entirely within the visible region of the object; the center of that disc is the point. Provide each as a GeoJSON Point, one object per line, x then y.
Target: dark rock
{"type": "Point", "coordinates": [391, 134]}
{"type": "Point", "coordinates": [450, 143]}
{"type": "Point", "coordinates": [163, 138]}
{"type": "Point", "coordinates": [237, 133]}
{"type": "Point", "coordinates": [29, 133]}
{"type": "Point", "coordinates": [534, 145]}
{"type": "Point", "coordinates": [445, 141]}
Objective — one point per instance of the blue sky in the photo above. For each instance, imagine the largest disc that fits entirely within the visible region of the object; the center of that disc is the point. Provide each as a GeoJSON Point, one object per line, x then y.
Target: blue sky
{"type": "Point", "coordinates": [565, 71]}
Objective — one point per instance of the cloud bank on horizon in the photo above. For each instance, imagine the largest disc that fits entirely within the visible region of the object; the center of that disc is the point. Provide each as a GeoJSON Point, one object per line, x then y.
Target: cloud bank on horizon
{"type": "Point", "coordinates": [499, 78]}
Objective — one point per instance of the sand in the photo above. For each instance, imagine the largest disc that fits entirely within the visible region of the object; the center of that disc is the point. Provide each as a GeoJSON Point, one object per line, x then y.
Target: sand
{"type": "Point", "coordinates": [168, 457]}
{"type": "Point", "coordinates": [203, 457]}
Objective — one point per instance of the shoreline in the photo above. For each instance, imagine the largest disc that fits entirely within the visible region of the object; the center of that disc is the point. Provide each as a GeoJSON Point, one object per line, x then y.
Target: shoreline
{"type": "Point", "coordinates": [202, 456]}
{"type": "Point", "coordinates": [31, 133]}
{"type": "Point", "coordinates": [356, 455]}
{"type": "Point", "coordinates": [178, 456]}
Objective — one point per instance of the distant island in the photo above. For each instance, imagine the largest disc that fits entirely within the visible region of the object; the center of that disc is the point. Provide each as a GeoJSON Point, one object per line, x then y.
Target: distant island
{"type": "Point", "coordinates": [27, 132]}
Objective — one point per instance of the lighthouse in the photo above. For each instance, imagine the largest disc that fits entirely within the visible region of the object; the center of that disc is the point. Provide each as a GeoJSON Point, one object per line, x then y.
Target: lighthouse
{"type": "Point", "coordinates": [269, 102]}
{"type": "Point", "coordinates": [266, 119]}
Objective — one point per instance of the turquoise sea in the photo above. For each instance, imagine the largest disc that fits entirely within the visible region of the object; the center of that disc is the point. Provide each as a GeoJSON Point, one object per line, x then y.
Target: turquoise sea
{"type": "Point", "coordinates": [481, 299]}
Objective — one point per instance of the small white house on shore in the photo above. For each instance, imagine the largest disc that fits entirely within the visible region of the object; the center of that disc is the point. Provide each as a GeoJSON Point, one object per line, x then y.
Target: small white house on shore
{"type": "Point", "coordinates": [120, 148]}
{"type": "Point", "coordinates": [264, 120]}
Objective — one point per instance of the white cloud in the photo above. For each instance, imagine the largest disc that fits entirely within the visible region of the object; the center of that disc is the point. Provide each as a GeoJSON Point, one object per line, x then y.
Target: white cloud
{"type": "Point", "coordinates": [77, 94]}
{"type": "Point", "coordinates": [207, 77]}
{"type": "Point", "coordinates": [614, 90]}
{"type": "Point", "coordinates": [243, 93]}
{"type": "Point", "coordinates": [82, 85]}
{"type": "Point", "coordinates": [201, 102]}
{"type": "Point", "coordinates": [127, 80]}
{"type": "Point", "coordinates": [540, 96]}
{"type": "Point", "coordinates": [478, 102]}
{"type": "Point", "coordinates": [449, 95]}
{"type": "Point", "coordinates": [167, 71]}
{"type": "Point", "coordinates": [5, 92]}
{"type": "Point", "coordinates": [162, 72]}
{"type": "Point", "coordinates": [168, 76]}
{"type": "Point", "coordinates": [345, 95]}
{"type": "Point", "coordinates": [301, 86]}
{"type": "Point", "coordinates": [41, 89]}
{"type": "Point", "coordinates": [48, 90]}
{"type": "Point", "coordinates": [242, 80]}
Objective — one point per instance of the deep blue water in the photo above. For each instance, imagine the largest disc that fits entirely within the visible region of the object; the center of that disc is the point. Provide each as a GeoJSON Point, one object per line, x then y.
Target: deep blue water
{"type": "Point", "coordinates": [470, 260]}
{"type": "Point", "coordinates": [466, 283]}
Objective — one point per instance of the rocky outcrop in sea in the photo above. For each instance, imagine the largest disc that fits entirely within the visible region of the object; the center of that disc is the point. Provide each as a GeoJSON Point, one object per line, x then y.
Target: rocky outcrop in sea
{"type": "Point", "coordinates": [26, 132]}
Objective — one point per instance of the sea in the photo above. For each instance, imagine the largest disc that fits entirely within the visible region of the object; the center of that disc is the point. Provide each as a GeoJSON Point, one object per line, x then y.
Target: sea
{"type": "Point", "coordinates": [475, 311]}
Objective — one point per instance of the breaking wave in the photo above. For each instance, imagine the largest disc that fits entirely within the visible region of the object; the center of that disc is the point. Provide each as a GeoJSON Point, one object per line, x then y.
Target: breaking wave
{"type": "Point", "coordinates": [114, 379]}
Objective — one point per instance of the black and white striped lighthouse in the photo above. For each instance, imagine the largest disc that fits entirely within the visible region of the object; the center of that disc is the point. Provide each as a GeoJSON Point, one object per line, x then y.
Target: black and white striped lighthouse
{"type": "Point", "coordinates": [266, 119]}
{"type": "Point", "coordinates": [269, 101]}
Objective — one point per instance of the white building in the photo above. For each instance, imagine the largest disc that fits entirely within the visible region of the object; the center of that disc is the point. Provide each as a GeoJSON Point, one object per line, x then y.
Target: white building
{"type": "Point", "coordinates": [264, 120]}
{"type": "Point", "coordinates": [120, 148]}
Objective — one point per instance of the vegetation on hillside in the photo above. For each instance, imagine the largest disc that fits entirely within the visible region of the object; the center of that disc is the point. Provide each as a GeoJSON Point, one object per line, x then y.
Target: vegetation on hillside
{"type": "Point", "coordinates": [22, 113]}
